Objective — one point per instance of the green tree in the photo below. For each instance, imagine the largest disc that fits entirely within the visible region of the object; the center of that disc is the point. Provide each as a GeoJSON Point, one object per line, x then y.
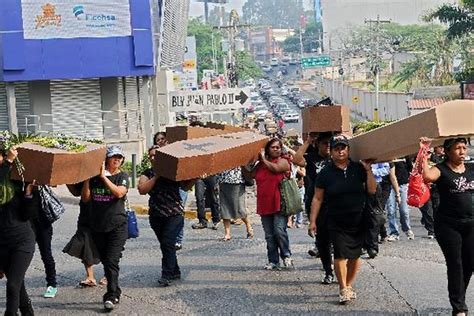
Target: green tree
{"type": "Point", "coordinates": [310, 39]}
{"type": "Point", "coordinates": [460, 20]}
{"type": "Point", "coordinates": [277, 13]}
{"type": "Point", "coordinates": [204, 34]}
{"type": "Point", "coordinates": [245, 66]}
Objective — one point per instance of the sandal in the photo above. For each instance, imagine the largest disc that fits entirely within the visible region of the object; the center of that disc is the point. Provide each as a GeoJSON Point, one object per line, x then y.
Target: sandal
{"type": "Point", "coordinates": [88, 283]}
{"type": "Point", "coordinates": [225, 238]}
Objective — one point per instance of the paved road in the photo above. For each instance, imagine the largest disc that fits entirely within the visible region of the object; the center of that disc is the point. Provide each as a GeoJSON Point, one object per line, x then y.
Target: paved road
{"type": "Point", "coordinates": [227, 278]}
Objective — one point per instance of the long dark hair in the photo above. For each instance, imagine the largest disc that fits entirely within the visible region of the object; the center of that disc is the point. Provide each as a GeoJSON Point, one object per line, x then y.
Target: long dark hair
{"type": "Point", "coordinates": [269, 144]}
{"type": "Point", "coordinates": [156, 135]}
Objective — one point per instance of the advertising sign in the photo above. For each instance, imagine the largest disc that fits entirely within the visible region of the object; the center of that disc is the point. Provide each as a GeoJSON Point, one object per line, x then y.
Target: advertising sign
{"type": "Point", "coordinates": [209, 100]}
{"type": "Point", "coordinates": [190, 77]}
{"type": "Point", "coordinates": [43, 19]}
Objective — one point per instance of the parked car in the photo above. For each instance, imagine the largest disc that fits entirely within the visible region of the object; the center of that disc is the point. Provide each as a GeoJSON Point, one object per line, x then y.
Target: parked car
{"type": "Point", "coordinates": [274, 62]}
{"type": "Point", "coordinates": [266, 68]}
{"type": "Point", "coordinates": [291, 117]}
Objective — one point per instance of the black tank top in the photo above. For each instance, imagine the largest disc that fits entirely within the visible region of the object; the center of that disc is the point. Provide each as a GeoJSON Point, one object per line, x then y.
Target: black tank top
{"type": "Point", "coordinates": [456, 192]}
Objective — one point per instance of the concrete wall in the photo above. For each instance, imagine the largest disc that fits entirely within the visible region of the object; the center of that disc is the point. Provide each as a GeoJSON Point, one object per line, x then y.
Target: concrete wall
{"type": "Point", "coordinates": [392, 105]}
{"type": "Point", "coordinates": [339, 15]}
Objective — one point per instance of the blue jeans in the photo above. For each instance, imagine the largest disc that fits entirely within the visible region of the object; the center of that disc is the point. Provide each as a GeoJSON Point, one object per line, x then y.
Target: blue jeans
{"type": "Point", "coordinates": [299, 216]}
{"type": "Point", "coordinates": [166, 230]}
{"type": "Point", "coordinates": [392, 207]}
{"type": "Point", "coordinates": [184, 198]}
{"type": "Point", "coordinates": [276, 236]}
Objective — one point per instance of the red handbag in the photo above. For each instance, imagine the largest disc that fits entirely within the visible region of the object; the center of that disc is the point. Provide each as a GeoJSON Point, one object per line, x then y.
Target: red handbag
{"type": "Point", "coordinates": [418, 189]}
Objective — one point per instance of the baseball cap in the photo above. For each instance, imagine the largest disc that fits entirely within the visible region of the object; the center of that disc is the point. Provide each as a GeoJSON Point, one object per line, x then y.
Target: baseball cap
{"type": "Point", "coordinates": [115, 150]}
{"type": "Point", "coordinates": [338, 140]}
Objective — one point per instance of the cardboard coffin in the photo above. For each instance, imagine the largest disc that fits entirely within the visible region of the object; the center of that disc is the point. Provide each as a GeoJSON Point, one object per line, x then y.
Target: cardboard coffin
{"type": "Point", "coordinates": [53, 166]}
{"type": "Point", "coordinates": [401, 138]}
{"type": "Point", "coordinates": [225, 127]}
{"type": "Point", "coordinates": [177, 133]}
{"type": "Point", "coordinates": [194, 158]}
{"type": "Point", "coordinates": [333, 118]}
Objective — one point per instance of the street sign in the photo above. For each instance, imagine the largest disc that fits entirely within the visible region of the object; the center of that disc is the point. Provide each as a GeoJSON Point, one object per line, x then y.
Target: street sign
{"type": "Point", "coordinates": [315, 61]}
{"type": "Point", "coordinates": [209, 100]}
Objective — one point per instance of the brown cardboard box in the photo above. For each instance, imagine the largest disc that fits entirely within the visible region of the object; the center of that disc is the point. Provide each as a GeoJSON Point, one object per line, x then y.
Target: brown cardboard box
{"type": "Point", "coordinates": [333, 118]}
{"type": "Point", "coordinates": [55, 166]}
{"type": "Point", "coordinates": [191, 159]}
{"type": "Point", "coordinates": [401, 138]}
{"type": "Point", "coordinates": [177, 133]}
{"type": "Point", "coordinates": [225, 127]}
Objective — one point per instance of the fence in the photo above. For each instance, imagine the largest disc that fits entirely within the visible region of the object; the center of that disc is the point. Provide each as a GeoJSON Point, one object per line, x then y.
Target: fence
{"type": "Point", "coordinates": [392, 105]}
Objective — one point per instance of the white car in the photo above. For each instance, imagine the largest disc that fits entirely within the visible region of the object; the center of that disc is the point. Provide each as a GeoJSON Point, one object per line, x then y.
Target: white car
{"type": "Point", "coordinates": [274, 62]}
{"type": "Point", "coordinates": [267, 68]}
{"type": "Point", "coordinates": [284, 92]}
{"type": "Point", "coordinates": [291, 117]}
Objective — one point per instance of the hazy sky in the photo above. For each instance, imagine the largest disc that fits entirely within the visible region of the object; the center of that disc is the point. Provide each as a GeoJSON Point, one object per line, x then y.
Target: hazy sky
{"type": "Point", "coordinates": [197, 8]}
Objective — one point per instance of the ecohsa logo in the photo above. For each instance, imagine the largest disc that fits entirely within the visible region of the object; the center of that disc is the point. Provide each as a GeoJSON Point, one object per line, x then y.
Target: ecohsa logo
{"type": "Point", "coordinates": [80, 14]}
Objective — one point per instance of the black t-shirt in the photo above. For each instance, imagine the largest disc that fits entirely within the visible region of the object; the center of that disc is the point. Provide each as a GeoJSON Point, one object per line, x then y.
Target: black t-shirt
{"type": "Point", "coordinates": [165, 199]}
{"type": "Point", "coordinates": [107, 211]}
{"type": "Point", "coordinates": [15, 229]}
{"type": "Point", "coordinates": [314, 164]}
{"type": "Point", "coordinates": [344, 190]}
{"type": "Point", "coordinates": [402, 171]}
{"type": "Point", "coordinates": [456, 192]}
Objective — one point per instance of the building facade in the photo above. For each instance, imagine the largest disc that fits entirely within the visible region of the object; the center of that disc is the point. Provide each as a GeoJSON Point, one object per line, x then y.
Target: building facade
{"type": "Point", "coordinates": [88, 69]}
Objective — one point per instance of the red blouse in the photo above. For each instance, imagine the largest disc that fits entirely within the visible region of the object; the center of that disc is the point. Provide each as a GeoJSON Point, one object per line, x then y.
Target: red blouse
{"type": "Point", "coordinates": [268, 189]}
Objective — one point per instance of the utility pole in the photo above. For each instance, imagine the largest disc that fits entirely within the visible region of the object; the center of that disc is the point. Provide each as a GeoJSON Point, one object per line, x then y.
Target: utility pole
{"type": "Point", "coordinates": [232, 29]}
{"type": "Point", "coordinates": [376, 66]}
{"type": "Point", "coordinates": [206, 11]}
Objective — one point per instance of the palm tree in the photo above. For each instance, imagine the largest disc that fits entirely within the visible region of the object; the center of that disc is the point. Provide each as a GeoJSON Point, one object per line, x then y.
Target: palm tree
{"type": "Point", "coordinates": [460, 18]}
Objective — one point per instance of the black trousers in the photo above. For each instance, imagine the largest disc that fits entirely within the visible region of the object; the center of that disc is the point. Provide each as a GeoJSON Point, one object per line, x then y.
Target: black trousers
{"type": "Point", "coordinates": [14, 262]}
{"type": "Point", "coordinates": [457, 243]}
{"type": "Point", "coordinates": [207, 186]}
{"type": "Point", "coordinates": [166, 230]}
{"type": "Point", "coordinates": [427, 216]}
{"type": "Point", "coordinates": [323, 243]}
{"type": "Point", "coordinates": [110, 246]}
{"type": "Point", "coordinates": [44, 235]}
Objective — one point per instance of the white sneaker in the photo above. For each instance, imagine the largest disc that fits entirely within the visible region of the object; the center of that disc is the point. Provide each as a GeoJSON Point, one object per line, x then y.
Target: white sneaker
{"type": "Point", "coordinates": [410, 234]}
{"type": "Point", "coordinates": [393, 238]}
{"type": "Point", "coordinates": [271, 266]}
{"type": "Point", "coordinates": [288, 263]}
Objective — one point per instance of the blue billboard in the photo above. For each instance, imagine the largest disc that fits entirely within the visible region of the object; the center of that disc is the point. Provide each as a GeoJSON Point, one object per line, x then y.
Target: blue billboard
{"type": "Point", "coordinates": [48, 39]}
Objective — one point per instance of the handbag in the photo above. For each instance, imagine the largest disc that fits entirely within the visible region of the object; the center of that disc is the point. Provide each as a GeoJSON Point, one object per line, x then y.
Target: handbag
{"type": "Point", "coordinates": [51, 205]}
{"type": "Point", "coordinates": [418, 189]}
{"type": "Point", "coordinates": [132, 223]}
{"type": "Point", "coordinates": [290, 197]}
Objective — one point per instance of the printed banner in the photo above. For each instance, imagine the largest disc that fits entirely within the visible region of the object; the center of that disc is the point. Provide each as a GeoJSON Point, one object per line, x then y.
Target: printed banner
{"type": "Point", "coordinates": [43, 19]}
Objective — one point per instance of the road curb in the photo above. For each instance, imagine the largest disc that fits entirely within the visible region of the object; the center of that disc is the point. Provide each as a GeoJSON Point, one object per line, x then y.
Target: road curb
{"type": "Point", "coordinates": [190, 213]}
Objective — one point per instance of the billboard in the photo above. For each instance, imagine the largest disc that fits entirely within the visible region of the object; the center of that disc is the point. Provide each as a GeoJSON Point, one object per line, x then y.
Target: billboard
{"type": "Point", "coordinates": [49, 19]}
